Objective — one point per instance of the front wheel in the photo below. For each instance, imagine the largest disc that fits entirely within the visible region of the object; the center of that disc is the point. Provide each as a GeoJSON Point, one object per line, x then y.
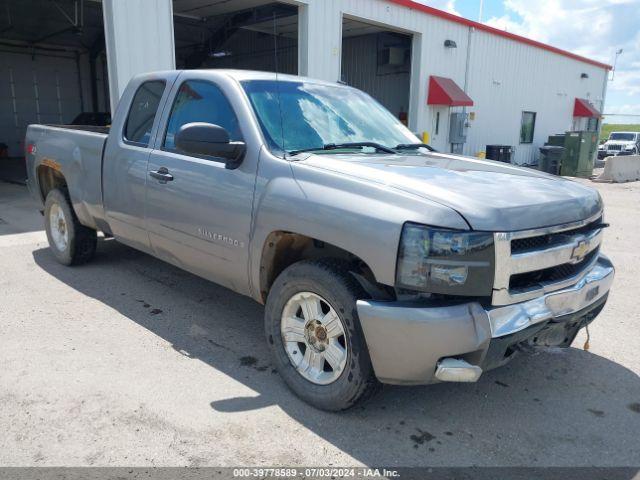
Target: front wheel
{"type": "Point", "coordinates": [313, 330]}
{"type": "Point", "coordinates": [71, 242]}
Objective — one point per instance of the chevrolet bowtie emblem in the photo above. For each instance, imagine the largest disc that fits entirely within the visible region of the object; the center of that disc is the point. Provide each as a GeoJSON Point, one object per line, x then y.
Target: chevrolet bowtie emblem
{"type": "Point", "coordinates": [580, 251]}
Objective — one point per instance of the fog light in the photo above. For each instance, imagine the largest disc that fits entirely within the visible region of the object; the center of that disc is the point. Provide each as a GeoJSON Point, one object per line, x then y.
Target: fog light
{"type": "Point", "coordinates": [455, 370]}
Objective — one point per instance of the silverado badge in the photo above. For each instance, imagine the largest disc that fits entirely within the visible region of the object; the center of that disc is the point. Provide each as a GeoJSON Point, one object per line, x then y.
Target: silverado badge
{"type": "Point", "coordinates": [580, 251]}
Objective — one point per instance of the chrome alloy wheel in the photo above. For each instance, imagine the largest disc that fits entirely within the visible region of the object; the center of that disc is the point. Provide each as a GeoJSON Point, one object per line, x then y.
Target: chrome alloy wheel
{"type": "Point", "coordinates": [314, 338]}
{"type": "Point", "coordinates": [59, 227]}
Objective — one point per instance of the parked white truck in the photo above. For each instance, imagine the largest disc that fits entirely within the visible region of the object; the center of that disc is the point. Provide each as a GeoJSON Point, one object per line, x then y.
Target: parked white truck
{"type": "Point", "coordinates": [620, 143]}
{"type": "Point", "coordinates": [377, 260]}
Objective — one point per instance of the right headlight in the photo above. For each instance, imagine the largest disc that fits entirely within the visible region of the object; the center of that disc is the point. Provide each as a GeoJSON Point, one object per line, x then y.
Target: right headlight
{"type": "Point", "coordinates": [449, 262]}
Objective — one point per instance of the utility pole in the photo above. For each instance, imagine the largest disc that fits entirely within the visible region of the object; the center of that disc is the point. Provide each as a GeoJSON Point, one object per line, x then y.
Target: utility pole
{"type": "Point", "coordinates": [480, 13]}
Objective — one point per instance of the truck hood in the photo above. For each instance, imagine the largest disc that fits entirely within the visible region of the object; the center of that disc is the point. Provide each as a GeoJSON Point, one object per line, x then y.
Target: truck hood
{"type": "Point", "coordinates": [491, 196]}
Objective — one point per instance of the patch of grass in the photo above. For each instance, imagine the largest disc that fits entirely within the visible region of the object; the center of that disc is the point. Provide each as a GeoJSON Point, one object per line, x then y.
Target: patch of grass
{"type": "Point", "coordinates": [607, 128]}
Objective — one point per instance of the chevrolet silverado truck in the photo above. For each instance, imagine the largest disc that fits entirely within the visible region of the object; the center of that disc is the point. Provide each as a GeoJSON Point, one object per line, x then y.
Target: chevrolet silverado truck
{"type": "Point", "coordinates": [620, 143]}
{"type": "Point", "coordinates": [377, 260]}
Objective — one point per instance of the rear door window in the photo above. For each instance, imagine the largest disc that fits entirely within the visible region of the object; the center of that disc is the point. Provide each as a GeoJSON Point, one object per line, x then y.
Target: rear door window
{"type": "Point", "coordinates": [142, 112]}
{"type": "Point", "coordinates": [201, 101]}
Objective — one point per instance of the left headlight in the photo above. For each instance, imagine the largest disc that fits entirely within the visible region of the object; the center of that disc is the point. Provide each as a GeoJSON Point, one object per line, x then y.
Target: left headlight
{"type": "Point", "coordinates": [449, 262]}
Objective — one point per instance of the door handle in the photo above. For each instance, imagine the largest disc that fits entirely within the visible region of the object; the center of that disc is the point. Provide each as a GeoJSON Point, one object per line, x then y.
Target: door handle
{"type": "Point", "coordinates": [162, 175]}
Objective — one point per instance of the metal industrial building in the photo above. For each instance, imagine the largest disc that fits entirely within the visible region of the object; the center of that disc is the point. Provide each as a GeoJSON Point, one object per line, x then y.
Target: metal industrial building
{"type": "Point", "coordinates": [59, 58]}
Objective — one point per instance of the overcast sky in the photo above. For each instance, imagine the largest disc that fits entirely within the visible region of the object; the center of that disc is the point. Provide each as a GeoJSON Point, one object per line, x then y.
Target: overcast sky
{"type": "Point", "coordinates": [593, 28]}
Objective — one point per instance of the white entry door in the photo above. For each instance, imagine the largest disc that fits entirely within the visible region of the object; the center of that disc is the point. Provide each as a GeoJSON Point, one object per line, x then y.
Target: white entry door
{"type": "Point", "coordinates": [439, 134]}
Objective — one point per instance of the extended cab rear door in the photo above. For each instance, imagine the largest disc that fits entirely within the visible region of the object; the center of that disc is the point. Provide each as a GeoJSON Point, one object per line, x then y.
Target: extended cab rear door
{"type": "Point", "coordinates": [130, 141]}
{"type": "Point", "coordinates": [199, 218]}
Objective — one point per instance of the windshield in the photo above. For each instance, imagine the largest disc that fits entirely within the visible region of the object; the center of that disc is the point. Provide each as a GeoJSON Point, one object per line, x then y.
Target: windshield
{"type": "Point", "coordinates": [625, 137]}
{"type": "Point", "coordinates": [311, 116]}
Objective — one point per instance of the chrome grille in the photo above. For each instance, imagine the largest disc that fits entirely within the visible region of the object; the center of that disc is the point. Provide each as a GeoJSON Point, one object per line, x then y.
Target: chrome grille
{"type": "Point", "coordinates": [614, 147]}
{"type": "Point", "coordinates": [527, 280]}
{"type": "Point", "coordinates": [534, 262]}
{"type": "Point", "coordinates": [544, 241]}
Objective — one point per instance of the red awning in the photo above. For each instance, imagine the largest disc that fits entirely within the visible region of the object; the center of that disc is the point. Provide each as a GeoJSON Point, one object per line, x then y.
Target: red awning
{"type": "Point", "coordinates": [583, 108]}
{"type": "Point", "coordinates": [444, 91]}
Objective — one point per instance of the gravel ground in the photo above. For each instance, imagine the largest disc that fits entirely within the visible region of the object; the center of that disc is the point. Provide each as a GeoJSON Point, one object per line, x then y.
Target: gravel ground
{"type": "Point", "coordinates": [129, 361]}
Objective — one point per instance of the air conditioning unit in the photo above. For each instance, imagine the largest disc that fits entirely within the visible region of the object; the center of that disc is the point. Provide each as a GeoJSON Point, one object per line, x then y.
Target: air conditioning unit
{"type": "Point", "coordinates": [394, 56]}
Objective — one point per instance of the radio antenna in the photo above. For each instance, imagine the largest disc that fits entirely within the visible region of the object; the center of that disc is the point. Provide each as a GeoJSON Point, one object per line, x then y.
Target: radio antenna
{"type": "Point", "coordinates": [275, 57]}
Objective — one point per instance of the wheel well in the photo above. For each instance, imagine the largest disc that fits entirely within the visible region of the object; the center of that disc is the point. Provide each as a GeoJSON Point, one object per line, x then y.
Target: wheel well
{"type": "Point", "coordinates": [49, 179]}
{"type": "Point", "coordinates": [282, 249]}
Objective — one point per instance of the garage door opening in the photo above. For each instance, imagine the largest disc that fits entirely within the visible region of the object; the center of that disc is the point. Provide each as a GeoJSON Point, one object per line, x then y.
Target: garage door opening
{"type": "Point", "coordinates": [52, 70]}
{"type": "Point", "coordinates": [378, 61]}
{"type": "Point", "coordinates": [243, 34]}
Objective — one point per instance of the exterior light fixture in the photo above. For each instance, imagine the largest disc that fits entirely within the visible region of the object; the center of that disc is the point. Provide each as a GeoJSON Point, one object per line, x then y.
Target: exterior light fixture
{"type": "Point", "coordinates": [615, 62]}
{"type": "Point", "coordinates": [584, 75]}
{"type": "Point", "coordinates": [450, 44]}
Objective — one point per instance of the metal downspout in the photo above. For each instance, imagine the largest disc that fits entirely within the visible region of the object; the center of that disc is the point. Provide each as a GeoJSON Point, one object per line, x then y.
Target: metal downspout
{"type": "Point", "coordinates": [466, 75]}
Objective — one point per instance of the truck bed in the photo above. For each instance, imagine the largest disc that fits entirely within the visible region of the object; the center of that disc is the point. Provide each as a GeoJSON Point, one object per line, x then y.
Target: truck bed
{"type": "Point", "coordinates": [76, 151]}
{"type": "Point", "coordinates": [84, 128]}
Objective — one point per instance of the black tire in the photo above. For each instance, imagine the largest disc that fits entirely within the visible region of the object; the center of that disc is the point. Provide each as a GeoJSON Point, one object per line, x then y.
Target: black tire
{"type": "Point", "coordinates": [330, 279]}
{"type": "Point", "coordinates": [82, 241]}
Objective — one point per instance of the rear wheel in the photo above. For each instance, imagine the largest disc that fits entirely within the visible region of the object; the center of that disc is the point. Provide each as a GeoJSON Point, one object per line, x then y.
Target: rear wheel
{"type": "Point", "coordinates": [71, 242]}
{"type": "Point", "coordinates": [315, 336]}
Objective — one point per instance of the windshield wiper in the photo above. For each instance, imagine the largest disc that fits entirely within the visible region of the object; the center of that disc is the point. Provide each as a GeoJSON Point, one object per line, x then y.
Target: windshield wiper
{"type": "Point", "coordinates": [414, 146]}
{"type": "Point", "coordinates": [338, 146]}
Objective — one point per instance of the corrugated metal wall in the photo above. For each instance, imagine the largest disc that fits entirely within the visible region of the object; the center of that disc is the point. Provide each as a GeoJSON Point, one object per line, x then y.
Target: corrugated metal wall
{"type": "Point", "coordinates": [320, 39]}
{"type": "Point", "coordinates": [139, 39]}
{"type": "Point", "coordinates": [505, 76]}
{"type": "Point", "coordinates": [429, 57]}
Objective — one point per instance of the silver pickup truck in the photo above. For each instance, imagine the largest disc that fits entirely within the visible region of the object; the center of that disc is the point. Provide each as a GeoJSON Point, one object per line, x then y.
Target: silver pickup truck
{"type": "Point", "coordinates": [377, 259]}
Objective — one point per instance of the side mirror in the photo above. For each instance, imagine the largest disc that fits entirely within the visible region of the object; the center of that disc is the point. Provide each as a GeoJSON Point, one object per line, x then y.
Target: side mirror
{"type": "Point", "coordinates": [207, 139]}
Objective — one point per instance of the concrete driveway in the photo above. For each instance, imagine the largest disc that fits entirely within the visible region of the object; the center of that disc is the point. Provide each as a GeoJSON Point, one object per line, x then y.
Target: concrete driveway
{"type": "Point", "coordinates": [129, 361]}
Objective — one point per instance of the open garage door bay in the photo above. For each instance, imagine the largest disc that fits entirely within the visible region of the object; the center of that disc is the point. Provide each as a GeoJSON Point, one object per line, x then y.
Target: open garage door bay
{"type": "Point", "coordinates": [243, 34]}
{"type": "Point", "coordinates": [52, 69]}
{"type": "Point", "coordinates": [41, 89]}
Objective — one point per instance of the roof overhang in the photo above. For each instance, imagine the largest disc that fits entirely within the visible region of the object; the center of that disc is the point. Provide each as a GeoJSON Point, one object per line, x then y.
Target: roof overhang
{"type": "Point", "coordinates": [495, 31]}
{"type": "Point", "coordinates": [582, 108]}
{"type": "Point", "coordinates": [444, 91]}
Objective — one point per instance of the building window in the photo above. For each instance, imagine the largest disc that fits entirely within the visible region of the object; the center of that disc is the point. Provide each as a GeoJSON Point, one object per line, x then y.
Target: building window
{"type": "Point", "coordinates": [527, 127]}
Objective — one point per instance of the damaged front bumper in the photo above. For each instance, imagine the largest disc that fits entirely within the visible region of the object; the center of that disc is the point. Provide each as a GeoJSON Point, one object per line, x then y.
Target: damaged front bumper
{"type": "Point", "coordinates": [411, 344]}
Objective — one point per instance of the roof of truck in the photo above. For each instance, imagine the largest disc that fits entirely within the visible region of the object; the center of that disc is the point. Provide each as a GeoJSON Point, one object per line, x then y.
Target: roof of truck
{"type": "Point", "coordinates": [238, 75]}
{"type": "Point", "coordinates": [242, 75]}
